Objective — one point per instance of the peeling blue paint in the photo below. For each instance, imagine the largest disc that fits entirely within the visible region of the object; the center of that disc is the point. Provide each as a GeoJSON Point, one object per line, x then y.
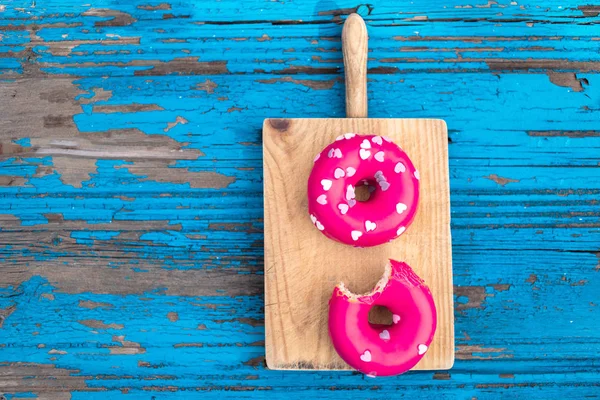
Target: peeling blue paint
{"type": "Point", "coordinates": [525, 187]}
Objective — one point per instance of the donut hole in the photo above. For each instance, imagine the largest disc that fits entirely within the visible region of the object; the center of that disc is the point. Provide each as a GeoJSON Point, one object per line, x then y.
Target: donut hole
{"type": "Point", "coordinates": [380, 315]}
{"type": "Point", "coordinates": [364, 190]}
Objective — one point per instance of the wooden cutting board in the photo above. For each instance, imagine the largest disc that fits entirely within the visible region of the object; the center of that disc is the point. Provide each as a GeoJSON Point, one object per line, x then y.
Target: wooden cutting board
{"type": "Point", "coordinates": [302, 266]}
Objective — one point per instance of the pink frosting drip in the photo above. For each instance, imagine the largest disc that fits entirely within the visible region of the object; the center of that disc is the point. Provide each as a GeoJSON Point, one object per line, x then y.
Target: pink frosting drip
{"type": "Point", "coordinates": [349, 162]}
{"type": "Point", "coordinates": [382, 350]}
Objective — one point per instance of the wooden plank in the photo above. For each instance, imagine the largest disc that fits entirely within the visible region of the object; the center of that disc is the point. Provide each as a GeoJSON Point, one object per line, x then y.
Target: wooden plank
{"type": "Point", "coordinates": [302, 266]}
{"type": "Point", "coordinates": [120, 212]}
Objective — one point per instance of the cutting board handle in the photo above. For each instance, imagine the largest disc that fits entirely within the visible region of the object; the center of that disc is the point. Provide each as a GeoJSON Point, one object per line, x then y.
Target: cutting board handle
{"type": "Point", "coordinates": [355, 44]}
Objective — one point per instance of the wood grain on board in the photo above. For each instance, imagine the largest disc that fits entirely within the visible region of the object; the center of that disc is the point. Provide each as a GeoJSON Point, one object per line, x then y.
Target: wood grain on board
{"type": "Point", "coordinates": [302, 266]}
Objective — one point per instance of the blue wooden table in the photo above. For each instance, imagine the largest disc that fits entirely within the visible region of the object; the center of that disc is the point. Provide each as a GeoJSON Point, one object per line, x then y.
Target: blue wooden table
{"type": "Point", "coordinates": [131, 210]}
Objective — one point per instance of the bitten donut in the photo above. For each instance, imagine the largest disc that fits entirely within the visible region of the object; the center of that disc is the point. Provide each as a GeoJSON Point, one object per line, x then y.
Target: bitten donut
{"type": "Point", "coordinates": [371, 160]}
{"type": "Point", "coordinates": [382, 350]}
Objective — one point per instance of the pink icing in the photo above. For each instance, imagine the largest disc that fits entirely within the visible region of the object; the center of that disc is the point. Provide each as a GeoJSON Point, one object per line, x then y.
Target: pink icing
{"type": "Point", "coordinates": [382, 350]}
{"type": "Point", "coordinates": [353, 160]}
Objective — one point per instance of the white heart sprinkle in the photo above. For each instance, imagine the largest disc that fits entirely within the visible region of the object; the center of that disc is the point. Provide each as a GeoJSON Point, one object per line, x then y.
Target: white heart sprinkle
{"type": "Point", "coordinates": [317, 157]}
{"type": "Point", "coordinates": [313, 218]}
{"type": "Point", "coordinates": [337, 153]}
{"type": "Point", "coordinates": [339, 138]}
{"type": "Point", "coordinates": [330, 153]}
{"type": "Point", "coordinates": [338, 173]}
{"type": "Point", "coordinates": [355, 235]}
{"type": "Point", "coordinates": [349, 135]}
{"type": "Point", "coordinates": [384, 185]}
{"type": "Point", "coordinates": [366, 356]}
{"type": "Point", "coordinates": [379, 156]}
{"type": "Point", "coordinates": [384, 335]}
{"type": "Point", "coordinates": [351, 202]}
{"type": "Point", "coordinates": [350, 171]}
{"type": "Point", "coordinates": [399, 168]}
{"type": "Point", "coordinates": [395, 318]}
{"type": "Point", "coordinates": [370, 226]}
{"type": "Point", "coordinates": [387, 139]}
{"type": "Point", "coordinates": [400, 208]}
{"type": "Point", "coordinates": [326, 183]}
{"type": "Point", "coordinates": [320, 226]}
{"type": "Point", "coordinates": [343, 208]}
{"type": "Point", "coordinates": [377, 139]}
{"type": "Point", "coordinates": [379, 176]}
{"type": "Point", "coordinates": [365, 144]}
{"type": "Point", "coordinates": [422, 348]}
{"type": "Point", "coordinates": [350, 192]}
{"type": "Point", "coordinates": [322, 199]}
{"type": "Point", "coordinates": [400, 231]}
{"type": "Point", "coordinates": [417, 174]}
{"type": "Point", "coordinates": [364, 154]}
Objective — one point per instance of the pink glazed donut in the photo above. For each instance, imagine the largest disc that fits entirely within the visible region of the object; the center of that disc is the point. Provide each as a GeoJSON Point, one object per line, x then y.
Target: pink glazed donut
{"type": "Point", "coordinates": [363, 160]}
{"type": "Point", "coordinates": [382, 350]}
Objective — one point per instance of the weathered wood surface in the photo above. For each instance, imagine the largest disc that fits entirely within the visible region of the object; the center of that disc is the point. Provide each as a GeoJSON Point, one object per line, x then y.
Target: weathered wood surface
{"type": "Point", "coordinates": [131, 203]}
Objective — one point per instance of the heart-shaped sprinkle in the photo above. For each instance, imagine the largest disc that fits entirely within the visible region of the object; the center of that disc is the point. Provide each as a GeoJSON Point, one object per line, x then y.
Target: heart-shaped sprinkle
{"type": "Point", "coordinates": [339, 138]}
{"type": "Point", "coordinates": [384, 335]}
{"type": "Point", "coordinates": [366, 356]}
{"type": "Point", "coordinates": [365, 144]}
{"type": "Point", "coordinates": [387, 139]}
{"type": "Point", "coordinates": [379, 176]}
{"type": "Point", "coordinates": [322, 199]}
{"type": "Point", "coordinates": [384, 185]}
{"type": "Point", "coordinates": [400, 208]}
{"type": "Point", "coordinates": [351, 202]}
{"type": "Point", "coordinates": [313, 218]}
{"type": "Point", "coordinates": [399, 168]}
{"type": "Point", "coordinates": [364, 154]}
{"type": "Point", "coordinates": [320, 226]}
{"type": "Point", "coordinates": [350, 193]}
{"type": "Point", "coordinates": [400, 231]}
{"type": "Point", "coordinates": [377, 139]}
{"type": "Point", "coordinates": [355, 235]}
{"type": "Point", "coordinates": [326, 183]}
{"type": "Point", "coordinates": [343, 208]}
{"type": "Point", "coordinates": [330, 153]}
{"type": "Point", "coordinates": [395, 318]}
{"type": "Point", "coordinates": [337, 153]}
{"type": "Point", "coordinates": [350, 171]}
{"type": "Point", "coordinates": [417, 174]}
{"type": "Point", "coordinates": [379, 156]}
{"type": "Point", "coordinates": [349, 135]}
{"type": "Point", "coordinates": [370, 226]}
{"type": "Point", "coordinates": [317, 157]}
{"type": "Point", "coordinates": [422, 348]}
{"type": "Point", "coordinates": [338, 173]}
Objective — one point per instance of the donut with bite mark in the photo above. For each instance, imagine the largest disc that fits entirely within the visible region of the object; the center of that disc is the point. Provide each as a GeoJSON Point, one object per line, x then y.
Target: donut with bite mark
{"type": "Point", "coordinates": [383, 350]}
